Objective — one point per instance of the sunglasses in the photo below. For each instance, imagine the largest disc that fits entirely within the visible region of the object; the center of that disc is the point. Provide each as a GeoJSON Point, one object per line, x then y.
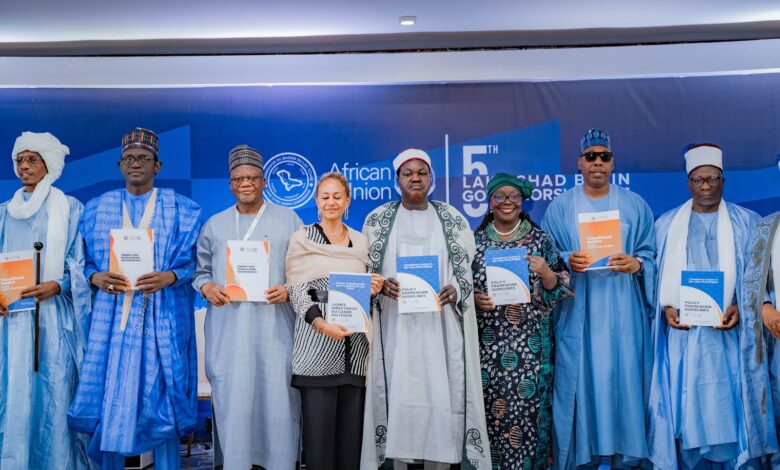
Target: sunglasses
{"type": "Point", "coordinates": [591, 157]}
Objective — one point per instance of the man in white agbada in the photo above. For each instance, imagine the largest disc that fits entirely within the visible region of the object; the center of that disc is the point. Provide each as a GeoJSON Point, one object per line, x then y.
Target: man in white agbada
{"type": "Point", "coordinates": [696, 404]}
{"type": "Point", "coordinates": [34, 429]}
{"type": "Point", "coordinates": [423, 393]}
{"type": "Point", "coordinates": [249, 344]}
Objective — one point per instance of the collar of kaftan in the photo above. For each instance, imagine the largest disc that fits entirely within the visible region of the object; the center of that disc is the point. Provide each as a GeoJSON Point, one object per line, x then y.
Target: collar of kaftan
{"type": "Point", "coordinates": [377, 228]}
{"type": "Point", "coordinates": [460, 247]}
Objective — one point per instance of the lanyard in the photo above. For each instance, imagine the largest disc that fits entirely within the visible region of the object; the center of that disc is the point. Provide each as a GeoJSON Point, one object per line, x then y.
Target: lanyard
{"type": "Point", "coordinates": [252, 226]}
{"type": "Point", "coordinates": [146, 218]}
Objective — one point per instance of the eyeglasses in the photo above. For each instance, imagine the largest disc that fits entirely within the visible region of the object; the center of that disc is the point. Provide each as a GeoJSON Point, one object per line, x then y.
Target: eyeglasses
{"type": "Point", "coordinates": [514, 198]}
{"type": "Point", "coordinates": [711, 180]}
{"type": "Point", "coordinates": [131, 160]}
{"type": "Point", "coordinates": [240, 179]}
{"type": "Point", "coordinates": [592, 156]}
{"type": "Point", "coordinates": [32, 160]}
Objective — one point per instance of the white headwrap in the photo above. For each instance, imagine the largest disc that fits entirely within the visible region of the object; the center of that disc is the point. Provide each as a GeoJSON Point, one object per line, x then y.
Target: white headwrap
{"type": "Point", "coordinates": [53, 153]}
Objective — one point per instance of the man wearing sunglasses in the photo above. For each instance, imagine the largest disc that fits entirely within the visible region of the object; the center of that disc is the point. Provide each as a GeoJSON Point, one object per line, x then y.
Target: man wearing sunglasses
{"type": "Point", "coordinates": [249, 344]}
{"type": "Point", "coordinates": [696, 411]}
{"type": "Point", "coordinates": [602, 368]}
{"type": "Point", "coordinates": [138, 383]}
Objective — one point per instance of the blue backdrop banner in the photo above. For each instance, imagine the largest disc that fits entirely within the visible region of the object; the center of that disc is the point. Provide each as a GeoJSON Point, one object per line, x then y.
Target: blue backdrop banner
{"type": "Point", "coordinates": [471, 131]}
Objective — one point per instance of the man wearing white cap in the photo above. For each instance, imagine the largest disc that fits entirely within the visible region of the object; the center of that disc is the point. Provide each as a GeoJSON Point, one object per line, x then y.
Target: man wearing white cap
{"type": "Point", "coordinates": [696, 405]}
{"type": "Point", "coordinates": [34, 429]}
{"type": "Point", "coordinates": [423, 393]}
{"type": "Point", "coordinates": [759, 305]}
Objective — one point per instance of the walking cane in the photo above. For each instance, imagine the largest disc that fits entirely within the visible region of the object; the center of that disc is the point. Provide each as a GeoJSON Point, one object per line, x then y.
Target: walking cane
{"type": "Point", "coordinates": [38, 247]}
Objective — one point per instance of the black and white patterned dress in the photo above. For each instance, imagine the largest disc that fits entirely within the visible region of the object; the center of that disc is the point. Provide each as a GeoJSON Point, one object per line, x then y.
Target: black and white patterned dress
{"type": "Point", "coordinates": [319, 361]}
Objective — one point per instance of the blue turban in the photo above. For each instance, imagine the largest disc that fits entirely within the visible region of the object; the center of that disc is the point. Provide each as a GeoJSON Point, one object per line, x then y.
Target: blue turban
{"type": "Point", "coordinates": [594, 137]}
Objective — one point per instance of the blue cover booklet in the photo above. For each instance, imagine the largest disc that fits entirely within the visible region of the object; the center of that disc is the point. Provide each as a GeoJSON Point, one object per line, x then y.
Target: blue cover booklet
{"type": "Point", "coordinates": [349, 301]}
{"type": "Point", "coordinates": [419, 280]}
{"type": "Point", "coordinates": [701, 298]}
{"type": "Point", "coordinates": [507, 276]}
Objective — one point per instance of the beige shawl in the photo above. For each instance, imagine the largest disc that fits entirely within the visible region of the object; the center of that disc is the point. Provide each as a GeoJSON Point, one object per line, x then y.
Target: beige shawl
{"type": "Point", "coordinates": [308, 260]}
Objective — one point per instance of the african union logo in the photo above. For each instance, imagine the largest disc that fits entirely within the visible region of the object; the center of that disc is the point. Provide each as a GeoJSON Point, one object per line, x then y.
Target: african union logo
{"type": "Point", "coordinates": [290, 179]}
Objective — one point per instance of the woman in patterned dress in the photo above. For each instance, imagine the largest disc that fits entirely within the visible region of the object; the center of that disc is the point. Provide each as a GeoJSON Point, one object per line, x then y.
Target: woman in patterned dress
{"type": "Point", "coordinates": [516, 341]}
{"type": "Point", "coordinates": [329, 362]}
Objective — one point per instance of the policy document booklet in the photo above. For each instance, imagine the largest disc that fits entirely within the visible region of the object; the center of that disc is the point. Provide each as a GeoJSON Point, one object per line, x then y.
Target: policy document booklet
{"type": "Point", "coordinates": [600, 237]}
{"type": "Point", "coordinates": [507, 276]}
{"type": "Point", "coordinates": [248, 266]}
{"type": "Point", "coordinates": [701, 298]}
{"type": "Point", "coordinates": [16, 274]}
{"type": "Point", "coordinates": [132, 253]}
{"type": "Point", "coordinates": [419, 279]}
{"type": "Point", "coordinates": [349, 301]}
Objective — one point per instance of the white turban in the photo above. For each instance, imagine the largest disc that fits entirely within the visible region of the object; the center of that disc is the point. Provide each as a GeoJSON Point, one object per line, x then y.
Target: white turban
{"type": "Point", "coordinates": [701, 155]}
{"type": "Point", "coordinates": [47, 146]}
{"type": "Point", "coordinates": [411, 154]}
{"type": "Point", "coordinates": [53, 154]}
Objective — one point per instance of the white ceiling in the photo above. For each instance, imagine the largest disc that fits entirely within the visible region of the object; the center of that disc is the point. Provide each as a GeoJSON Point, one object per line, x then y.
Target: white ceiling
{"type": "Point", "coordinates": [40, 21]}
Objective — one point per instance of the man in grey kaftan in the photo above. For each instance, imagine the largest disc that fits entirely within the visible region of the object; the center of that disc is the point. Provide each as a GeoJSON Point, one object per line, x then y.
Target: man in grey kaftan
{"type": "Point", "coordinates": [249, 344]}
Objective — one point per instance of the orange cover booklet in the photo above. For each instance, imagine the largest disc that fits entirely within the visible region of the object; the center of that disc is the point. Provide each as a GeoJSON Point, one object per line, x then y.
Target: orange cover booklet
{"type": "Point", "coordinates": [17, 273]}
{"type": "Point", "coordinates": [600, 236]}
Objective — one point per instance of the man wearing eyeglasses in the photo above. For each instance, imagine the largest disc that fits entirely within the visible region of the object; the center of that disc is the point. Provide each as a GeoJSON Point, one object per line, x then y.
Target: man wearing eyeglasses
{"type": "Point", "coordinates": [696, 409]}
{"type": "Point", "coordinates": [249, 342]}
{"type": "Point", "coordinates": [34, 402]}
{"type": "Point", "coordinates": [138, 384]}
{"type": "Point", "coordinates": [602, 367]}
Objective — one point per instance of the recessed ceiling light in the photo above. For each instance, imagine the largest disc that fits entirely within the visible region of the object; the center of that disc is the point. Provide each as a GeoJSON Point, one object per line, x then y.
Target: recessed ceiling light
{"type": "Point", "coordinates": [407, 20]}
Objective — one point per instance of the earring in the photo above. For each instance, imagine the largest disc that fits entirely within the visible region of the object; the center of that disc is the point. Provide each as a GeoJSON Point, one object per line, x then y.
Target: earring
{"type": "Point", "coordinates": [319, 215]}
{"type": "Point", "coordinates": [346, 213]}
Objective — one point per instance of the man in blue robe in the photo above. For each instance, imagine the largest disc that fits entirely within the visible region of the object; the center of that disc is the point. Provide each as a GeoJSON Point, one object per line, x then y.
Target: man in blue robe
{"type": "Point", "coordinates": [138, 387]}
{"type": "Point", "coordinates": [249, 345]}
{"type": "Point", "coordinates": [696, 415]}
{"type": "Point", "coordinates": [34, 429]}
{"type": "Point", "coordinates": [761, 345]}
{"type": "Point", "coordinates": [602, 362]}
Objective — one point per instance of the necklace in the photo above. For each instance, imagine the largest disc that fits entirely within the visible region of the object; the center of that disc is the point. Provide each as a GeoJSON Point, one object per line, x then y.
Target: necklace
{"type": "Point", "coordinates": [510, 232]}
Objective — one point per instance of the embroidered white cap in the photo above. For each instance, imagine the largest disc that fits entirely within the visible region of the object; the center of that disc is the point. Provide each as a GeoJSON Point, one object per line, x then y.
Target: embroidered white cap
{"type": "Point", "coordinates": [703, 154]}
{"type": "Point", "coordinates": [411, 154]}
